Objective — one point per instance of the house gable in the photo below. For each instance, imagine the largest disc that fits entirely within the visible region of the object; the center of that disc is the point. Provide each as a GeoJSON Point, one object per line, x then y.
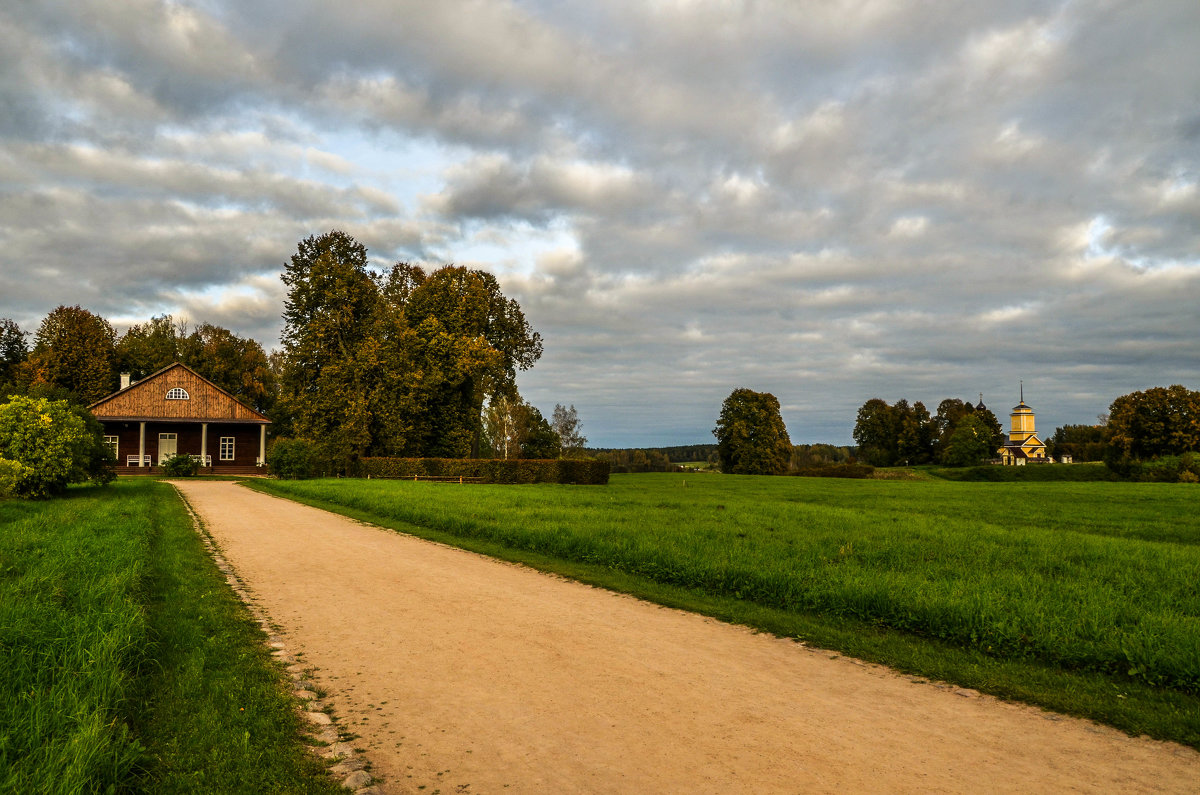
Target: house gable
{"type": "Point", "coordinates": [178, 393]}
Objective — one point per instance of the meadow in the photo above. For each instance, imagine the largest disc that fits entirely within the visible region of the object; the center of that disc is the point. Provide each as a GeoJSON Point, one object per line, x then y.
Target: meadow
{"type": "Point", "coordinates": [126, 663]}
{"type": "Point", "coordinates": [1082, 597]}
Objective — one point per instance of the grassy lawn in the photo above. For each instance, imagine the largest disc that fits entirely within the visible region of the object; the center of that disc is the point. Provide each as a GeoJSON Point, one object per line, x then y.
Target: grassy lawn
{"type": "Point", "coordinates": [125, 661]}
{"type": "Point", "coordinates": [1081, 597]}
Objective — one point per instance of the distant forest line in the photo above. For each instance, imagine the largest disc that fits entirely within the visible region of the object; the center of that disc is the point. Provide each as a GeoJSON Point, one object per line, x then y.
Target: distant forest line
{"type": "Point", "coordinates": [671, 458]}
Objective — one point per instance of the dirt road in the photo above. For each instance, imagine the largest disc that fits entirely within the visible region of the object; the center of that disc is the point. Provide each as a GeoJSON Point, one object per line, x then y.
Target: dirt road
{"type": "Point", "coordinates": [464, 674]}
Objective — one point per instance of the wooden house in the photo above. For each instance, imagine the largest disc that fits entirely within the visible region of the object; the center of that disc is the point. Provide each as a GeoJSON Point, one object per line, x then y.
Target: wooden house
{"type": "Point", "coordinates": [176, 410]}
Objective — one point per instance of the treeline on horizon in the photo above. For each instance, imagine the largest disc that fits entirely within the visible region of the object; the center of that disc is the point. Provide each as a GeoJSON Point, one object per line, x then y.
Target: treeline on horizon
{"type": "Point", "coordinates": [674, 458]}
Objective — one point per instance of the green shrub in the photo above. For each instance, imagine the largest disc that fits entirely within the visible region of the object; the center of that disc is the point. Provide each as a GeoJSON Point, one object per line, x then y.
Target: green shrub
{"type": "Point", "coordinates": [581, 471]}
{"type": "Point", "coordinates": [293, 459]}
{"type": "Point", "coordinates": [836, 471]}
{"type": "Point", "coordinates": [55, 443]}
{"type": "Point", "coordinates": [1171, 469]}
{"type": "Point", "coordinates": [181, 465]}
{"type": "Point", "coordinates": [11, 473]}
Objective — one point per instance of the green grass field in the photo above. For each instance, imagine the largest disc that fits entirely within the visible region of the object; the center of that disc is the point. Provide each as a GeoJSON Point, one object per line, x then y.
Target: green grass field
{"type": "Point", "coordinates": [1083, 597]}
{"type": "Point", "coordinates": [126, 664]}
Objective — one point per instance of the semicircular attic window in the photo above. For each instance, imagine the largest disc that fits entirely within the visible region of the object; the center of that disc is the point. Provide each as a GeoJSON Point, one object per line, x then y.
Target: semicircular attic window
{"type": "Point", "coordinates": [178, 394]}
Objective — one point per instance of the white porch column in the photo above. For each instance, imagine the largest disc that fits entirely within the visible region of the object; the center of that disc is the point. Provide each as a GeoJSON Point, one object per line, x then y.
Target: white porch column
{"type": "Point", "coordinates": [141, 443]}
{"type": "Point", "coordinates": [262, 444]}
{"type": "Point", "coordinates": [203, 443]}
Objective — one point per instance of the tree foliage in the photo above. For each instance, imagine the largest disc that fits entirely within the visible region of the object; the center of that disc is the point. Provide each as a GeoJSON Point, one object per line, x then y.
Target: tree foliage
{"type": "Point", "coordinates": [148, 347]}
{"type": "Point", "coordinates": [513, 428]}
{"type": "Point", "coordinates": [292, 459]}
{"type": "Point", "coordinates": [74, 351]}
{"type": "Point", "coordinates": [238, 365]}
{"type": "Point", "coordinates": [52, 444]}
{"type": "Point", "coordinates": [396, 364]}
{"type": "Point", "coordinates": [13, 352]}
{"type": "Point", "coordinates": [970, 443]}
{"type": "Point", "coordinates": [888, 435]}
{"type": "Point", "coordinates": [1162, 421]}
{"type": "Point", "coordinates": [1080, 442]}
{"type": "Point", "coordinates": [751, 437]}
{"type": "Point", "coordinates": [566, 424]}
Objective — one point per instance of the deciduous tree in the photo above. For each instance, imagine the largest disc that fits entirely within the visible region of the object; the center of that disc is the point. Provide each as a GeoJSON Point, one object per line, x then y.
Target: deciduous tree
{"type": "Point", "coordinates": [970, 444]}
{"type": "Point", "coordinates": [236, 364]}
{"type": "Point", "coordinates": [13, 352]}
{"type": "Point", "coordinates": [751, 436]}
{"type": "Point", "coordinates": [327, 314]}
{"type": "Point", "coordinates": [148, 347]}
{"type": "Point", "coordinates": [566, 424]}
{"type": "Point", "coordinates": [1159, 421]}
{"type": "Point", "coordinates": [397, 364]}
{"type": "Point", "coordinates": [876, 432]}
{"type": "Point", "coordinates": [74, 351]}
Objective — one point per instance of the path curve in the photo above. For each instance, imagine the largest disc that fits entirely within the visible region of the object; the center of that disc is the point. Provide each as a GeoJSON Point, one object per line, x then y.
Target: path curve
{"type": "Point", "coordinates": [466, 674]}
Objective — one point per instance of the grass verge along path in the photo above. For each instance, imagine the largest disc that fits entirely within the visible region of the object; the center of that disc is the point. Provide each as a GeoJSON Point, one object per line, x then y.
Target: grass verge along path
{"type": "Point", "coordinates": [126, 662]}
{"type": "Point", "coordinates": [1075, 596]}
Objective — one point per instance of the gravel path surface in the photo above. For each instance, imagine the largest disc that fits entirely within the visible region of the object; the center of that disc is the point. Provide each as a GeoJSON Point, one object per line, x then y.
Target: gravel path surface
{"type": "Point", "coordinates": [462, 674]}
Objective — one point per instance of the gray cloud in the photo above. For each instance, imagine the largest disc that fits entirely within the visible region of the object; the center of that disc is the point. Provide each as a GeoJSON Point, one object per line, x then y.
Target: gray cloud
{"type": "Point", "coordinates": [831, 202]}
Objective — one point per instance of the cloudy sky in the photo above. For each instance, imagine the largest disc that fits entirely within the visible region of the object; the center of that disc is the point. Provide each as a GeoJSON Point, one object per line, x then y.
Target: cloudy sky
{"type": "Point", "coordinates": [831, 200]}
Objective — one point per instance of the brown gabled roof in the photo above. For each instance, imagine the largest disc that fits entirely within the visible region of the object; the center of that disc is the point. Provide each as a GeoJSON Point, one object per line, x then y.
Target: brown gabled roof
{"type": "Point", "coordinates": [147, 400]}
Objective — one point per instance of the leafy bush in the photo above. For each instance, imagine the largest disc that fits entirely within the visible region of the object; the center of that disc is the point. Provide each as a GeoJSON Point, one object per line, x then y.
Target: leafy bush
{"type": "Point", "coordinates": [1171, 469]}
{"type": "Point", "coordinates": [583, 471]}
{"type": "Point", "coordinates": [836, 471]}
{"type": "Point", "coordinates": [1031, 473]}
{"type": "Point", "coordinates": [10, 473]}
{"type": "Point", "coordinates": [293, 459]}
{"type": "Point", "coordinates": [181, 465]}
{"type": "Point", "coordinates": [1163, 469]}
{"type": "Point", "coordinates": [55, 444]}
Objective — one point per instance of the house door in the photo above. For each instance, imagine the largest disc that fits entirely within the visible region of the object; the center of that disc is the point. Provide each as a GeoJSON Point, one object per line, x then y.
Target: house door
{"type": "Point", "coordinates": [167, 444]}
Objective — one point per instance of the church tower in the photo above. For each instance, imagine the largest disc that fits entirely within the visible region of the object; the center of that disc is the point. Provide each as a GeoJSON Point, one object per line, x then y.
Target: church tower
{"type": "Point", "coordinates": [1023, 444]}
{"type": "Point", "coordinates": [1021, 422]}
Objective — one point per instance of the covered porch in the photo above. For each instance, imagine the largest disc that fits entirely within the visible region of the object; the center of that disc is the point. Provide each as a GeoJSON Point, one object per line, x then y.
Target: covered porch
{"type": "Point", "coordinates": [142, 446]}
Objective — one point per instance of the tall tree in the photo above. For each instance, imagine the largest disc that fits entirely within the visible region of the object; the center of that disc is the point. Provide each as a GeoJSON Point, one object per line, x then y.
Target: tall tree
{"type": "Point", "coordinates": [970, 444]}
{"type": "Point", "coordinates": [464, 308]}
{"type": "Point", "coordinates": [396, 364]}
{"type": "Point", "coordinates": [877, 432]}
{"type": "Point", "coordinates": [1159, 421]}
{"type": "Point", "coordinates": [328, 311]}
{"type": "Point", "coordinates": [74, 351]}
{"type": "Point", "coordinates": [13, 353]}
{"type": "Point", "coordinates": [566, 424]}
{"type": "Point", "coordinates": [236, 364]}
{"type": "Point", "coordinates": [502, 427]}
{"type": "Point", "coordinates": [751, 436]}
{"type": "Point", "coordinates": [915, 433]}
{"type": "Point", "coordinates": [1080, 442]}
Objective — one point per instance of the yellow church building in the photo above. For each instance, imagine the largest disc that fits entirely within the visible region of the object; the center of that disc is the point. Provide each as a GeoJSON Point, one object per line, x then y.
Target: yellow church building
{"type": "Point", "coordinates": [1023, 444]}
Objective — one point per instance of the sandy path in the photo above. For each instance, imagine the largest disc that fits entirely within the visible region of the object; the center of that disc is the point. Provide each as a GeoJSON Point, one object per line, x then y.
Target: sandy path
{"type": "Point", "coordinates": [464, 674]}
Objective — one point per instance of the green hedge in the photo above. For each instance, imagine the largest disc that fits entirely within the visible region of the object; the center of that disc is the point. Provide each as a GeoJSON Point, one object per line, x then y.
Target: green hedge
{"type": "Point", "coordinates": [583, 471]}
{"type": "Point", "coordinates": [835, 471]}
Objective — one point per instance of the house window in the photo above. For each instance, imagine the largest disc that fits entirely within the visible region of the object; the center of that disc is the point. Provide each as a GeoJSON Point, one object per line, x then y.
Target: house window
{"type": "Point", "coordinates": [111, 441]}
{"type": "Point", "coordinates": [226, 448]}
{"type": "Point", "coordinates": [177, 394]}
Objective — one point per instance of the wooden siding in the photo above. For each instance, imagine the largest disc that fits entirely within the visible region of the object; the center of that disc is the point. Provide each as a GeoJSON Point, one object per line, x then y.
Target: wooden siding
{"type": "Point", "coordinates": [147, 400]}
{"type": "Point", "coordinates": [188, 435]}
